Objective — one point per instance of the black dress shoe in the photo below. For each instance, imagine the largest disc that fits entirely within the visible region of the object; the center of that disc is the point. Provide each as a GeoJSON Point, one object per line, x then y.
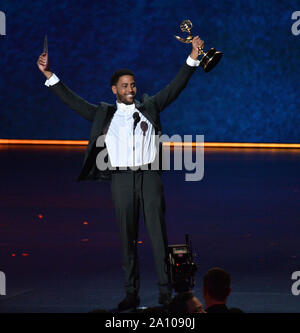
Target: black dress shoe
{"type": "Point", "coordinates": [131, 301]}
{"type": "Point", "coordinates": [165, 299]}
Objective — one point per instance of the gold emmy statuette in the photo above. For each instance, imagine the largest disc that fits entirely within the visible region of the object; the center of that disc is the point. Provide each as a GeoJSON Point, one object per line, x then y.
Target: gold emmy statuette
{"type": "Point", "coordinates": [210, 58]}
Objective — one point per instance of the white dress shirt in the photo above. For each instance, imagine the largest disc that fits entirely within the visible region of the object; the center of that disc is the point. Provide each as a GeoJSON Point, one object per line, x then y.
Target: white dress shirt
{"type": "Point", "coordinates": [119, 138]}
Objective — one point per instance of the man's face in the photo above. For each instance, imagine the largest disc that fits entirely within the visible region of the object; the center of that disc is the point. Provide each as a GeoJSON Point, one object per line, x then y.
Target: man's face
{"type": "Point", "coordinates": [125, 89]}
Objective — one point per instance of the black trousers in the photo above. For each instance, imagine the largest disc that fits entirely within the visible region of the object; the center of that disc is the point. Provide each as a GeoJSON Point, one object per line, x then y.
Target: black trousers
{"type": "Point", "coordinates": [150, 199]}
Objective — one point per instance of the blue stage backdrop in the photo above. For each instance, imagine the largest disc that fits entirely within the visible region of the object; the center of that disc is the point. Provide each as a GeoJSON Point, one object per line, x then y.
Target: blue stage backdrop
{"type": "Point", "coordinates": [251, 96]}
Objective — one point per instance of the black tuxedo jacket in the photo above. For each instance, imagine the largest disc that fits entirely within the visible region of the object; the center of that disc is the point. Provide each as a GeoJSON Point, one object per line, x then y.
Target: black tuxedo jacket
{"type": "Point", "coordinates": [100, 115]}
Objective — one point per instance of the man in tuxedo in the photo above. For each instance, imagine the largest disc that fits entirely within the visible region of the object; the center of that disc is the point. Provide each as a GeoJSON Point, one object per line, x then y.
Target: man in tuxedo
{"type": "Point", "coordinates": [129, 145]}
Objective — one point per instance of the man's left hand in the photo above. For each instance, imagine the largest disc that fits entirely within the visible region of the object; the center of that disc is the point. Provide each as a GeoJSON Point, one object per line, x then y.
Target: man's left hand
{"type": "Point", "coordinates": [197, 44]}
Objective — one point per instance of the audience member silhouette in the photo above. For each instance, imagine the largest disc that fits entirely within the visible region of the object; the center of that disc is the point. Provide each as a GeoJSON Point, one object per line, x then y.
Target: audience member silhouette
{"type": "Point", "coordinates": [215, 290]}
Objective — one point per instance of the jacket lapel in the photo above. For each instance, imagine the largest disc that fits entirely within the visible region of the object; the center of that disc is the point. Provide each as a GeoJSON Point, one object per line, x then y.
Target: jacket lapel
{"type": "Point", "coordinates": [111, 109]}
{"type": "Point", "coordinates": [141, 107]}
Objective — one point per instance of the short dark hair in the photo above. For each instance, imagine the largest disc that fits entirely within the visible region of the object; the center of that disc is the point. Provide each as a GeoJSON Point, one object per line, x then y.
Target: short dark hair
{"type": "Point", "coordinates": [179, 302]}
{"type": "Point", "coordinates": [216, 282]}
{"type": "Point", "coordinates": [118, 73]}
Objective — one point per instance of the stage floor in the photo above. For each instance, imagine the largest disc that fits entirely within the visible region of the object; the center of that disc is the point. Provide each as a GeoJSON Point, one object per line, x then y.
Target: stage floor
{"type": "Point", "coordinates": [60, 247]}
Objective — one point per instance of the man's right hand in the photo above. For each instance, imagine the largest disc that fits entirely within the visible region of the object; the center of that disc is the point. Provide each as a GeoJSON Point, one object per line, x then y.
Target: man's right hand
{"type": "Point", "coordinates": [43, 65]}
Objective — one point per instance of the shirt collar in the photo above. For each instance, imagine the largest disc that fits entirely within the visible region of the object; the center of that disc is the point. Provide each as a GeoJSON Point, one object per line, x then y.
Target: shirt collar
{"type": "Point", "coordinates": [125, 108]}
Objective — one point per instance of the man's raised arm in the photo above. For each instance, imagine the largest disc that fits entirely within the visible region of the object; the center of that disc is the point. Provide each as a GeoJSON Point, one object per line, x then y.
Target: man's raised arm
{"type": "Point", "coordinates": [72, 100]}
{"type": "Point", "coordinates": [168, 94]}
